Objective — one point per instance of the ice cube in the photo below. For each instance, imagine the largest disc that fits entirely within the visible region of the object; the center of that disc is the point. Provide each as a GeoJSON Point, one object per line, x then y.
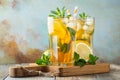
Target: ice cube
{"type": "Point", "coordinates": [71, 24]}
{"type": "Point", "coordinates": [85, 27]}
{"type": "Point", "coordinates": [65, 20]}
{"type": "Point", "coordinates": [89, 21]}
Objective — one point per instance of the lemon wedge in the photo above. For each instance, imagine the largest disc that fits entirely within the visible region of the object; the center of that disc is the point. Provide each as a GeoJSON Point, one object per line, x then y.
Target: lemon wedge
{"type": "Point", "coordinates": [83, 50]}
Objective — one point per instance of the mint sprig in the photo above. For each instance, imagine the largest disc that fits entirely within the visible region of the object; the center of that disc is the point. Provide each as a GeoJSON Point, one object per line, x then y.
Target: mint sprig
{"type": "Point", "coordinates": [81, 62]}
{"type": "Point", "coordinates": [72, 32]}
{"type": "Point", "coordinates": [92, 59]}
{"type": "Point", "coordinates": [59, 13]}
{"type": "Point", "coordinates": [83, 15]}
{"type": "Point", "coordinates": [76, 56]}
{"type": "Point", "coordinates": [78, 61]}
{"type": "Point", "coordinates": [64, 47]}
{"type": "Point", "coordinates": [44, 60]}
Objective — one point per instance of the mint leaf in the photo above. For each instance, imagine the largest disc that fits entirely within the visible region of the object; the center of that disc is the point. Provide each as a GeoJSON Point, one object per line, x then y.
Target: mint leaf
{"type": "Point", "coordinates": [58, 10]}
{"type": "Point", "coordinates": [72, 32]}
{"type": "Point", "coordinates": [68, 16]}
{"type": "Point", "coordinates": [92, 59]}
{"type": "Point", "coordinates": [52, 15]}
{"type": "Point", "coordinates": [76, 56]}
{"type": "Point", "coordinates": [65, 47]}
{"type": "Point", "coordinates": [39, 61]}
{"type": "Point", "coordinates": [44, 60]}
{"type": "Point", "coordinates": [80, 62]}
{"type": "Point", "coordinates": [54, 12]}
{"type": "Point", "coordinates": [59, 13]}
{"type": "Point", "coordinates": [63, 11]}
{"type": "Point", "coordinates": [83, 15]}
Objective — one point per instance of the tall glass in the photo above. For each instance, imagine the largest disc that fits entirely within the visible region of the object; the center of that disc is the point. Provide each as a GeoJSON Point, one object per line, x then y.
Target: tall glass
{"type": "Point", "coordinates": [85, 31]}
{"type": "Point", "coordinates": [60, 42]}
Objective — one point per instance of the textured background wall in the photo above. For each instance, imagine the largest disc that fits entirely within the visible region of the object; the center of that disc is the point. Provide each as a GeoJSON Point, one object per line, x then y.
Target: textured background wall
{"type": "Point", "coordinates": [23, 27]}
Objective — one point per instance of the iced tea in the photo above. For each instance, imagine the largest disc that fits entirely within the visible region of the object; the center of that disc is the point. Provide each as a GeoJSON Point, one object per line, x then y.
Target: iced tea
{"type": "Point", "coordinates": [60, 42]}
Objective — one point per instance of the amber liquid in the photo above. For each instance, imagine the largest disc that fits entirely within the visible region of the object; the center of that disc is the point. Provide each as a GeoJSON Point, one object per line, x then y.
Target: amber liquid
{"type": "Point", "coordinates": [85, 32]}
{"type": "Point", "coordinates": [61, 44]}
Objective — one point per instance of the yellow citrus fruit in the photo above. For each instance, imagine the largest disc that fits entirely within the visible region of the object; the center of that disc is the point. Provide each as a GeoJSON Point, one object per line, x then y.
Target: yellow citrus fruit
{"type": "Point", "coordinates": [61, 31]}
{"type": "Point", "coordinates": [82, 41]}
{"type": "Point", "coordinates": [83, 50]}
{"type": "Point", "coordinates": [47, 52]}
{"type": "Point", "coordinates": [59, 28]}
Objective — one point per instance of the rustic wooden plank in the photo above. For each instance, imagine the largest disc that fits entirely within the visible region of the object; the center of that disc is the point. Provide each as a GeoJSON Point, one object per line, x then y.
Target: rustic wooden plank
{"type": "Point", "coordinates": [87, 69]}
{"type": "Point", "coordinates": [26, 71]}
{"type": "Point", "coordinates": [31, 78]}
{"type": "Point", "coordinates": [22, 71]}
{"type": "Point", "coordinates": [4, 73]}
{"type": "Point", "coordinates": [114, 74]}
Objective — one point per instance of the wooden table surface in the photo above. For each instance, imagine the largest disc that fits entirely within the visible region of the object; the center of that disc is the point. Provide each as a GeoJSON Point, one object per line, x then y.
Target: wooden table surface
{"type": "Point", "coordinates": [114, 74]}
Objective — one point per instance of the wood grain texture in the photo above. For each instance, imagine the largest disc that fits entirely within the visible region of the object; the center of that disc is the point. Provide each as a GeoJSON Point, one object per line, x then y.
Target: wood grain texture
{"type": "Point", "coordinates": [87, 69]}
{"type": "Point", "coordinates": [20, 71]}
{"type": "Point", "coordinates": [59, 70]}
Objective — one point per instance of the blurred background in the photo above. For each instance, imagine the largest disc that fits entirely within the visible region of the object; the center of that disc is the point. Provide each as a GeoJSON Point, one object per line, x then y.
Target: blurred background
{"type": "Point", "coordinates": [24, 35]}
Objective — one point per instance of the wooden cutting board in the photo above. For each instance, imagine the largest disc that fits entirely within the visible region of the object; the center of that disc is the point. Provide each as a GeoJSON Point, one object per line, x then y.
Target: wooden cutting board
{"type": "Point", "coordinates": [19, 71]}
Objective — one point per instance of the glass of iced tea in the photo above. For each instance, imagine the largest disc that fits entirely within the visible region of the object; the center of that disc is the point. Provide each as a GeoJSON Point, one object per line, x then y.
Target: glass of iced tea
{"type": "Point", "coordinates": [61, 41]}
{"type": "Point", "coordinates": [84, 37]}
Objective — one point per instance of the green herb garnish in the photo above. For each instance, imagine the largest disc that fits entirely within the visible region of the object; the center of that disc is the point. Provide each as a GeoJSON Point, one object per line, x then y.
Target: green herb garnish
{"type": "Point", "coordinates": [58, 13]}
{"type": "Point", "coordinates": [44, 60]}
{"type": "Point", "coordinates": [92, 59]}
{"type": "Point", "coordinates": [64, 47]}
{"type": "Point", "coordinates": [83, 15]}
{"type": "Point", "coordinates": [72, 32]}
{"type": "Point", "coordinates": [76, 56]}
{"type": "Point", "coordinates": [78, 61]}
{"type": "Point", "coordinates": [81, 62]}
{"type": "Point", "coordinates": [68, 16]}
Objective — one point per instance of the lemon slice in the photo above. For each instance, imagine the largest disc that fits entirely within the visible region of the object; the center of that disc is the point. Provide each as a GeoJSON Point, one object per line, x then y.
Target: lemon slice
{"type": "Point", "coordinates": [47, 52]}
{"type": "Point", "coordinates": [83, 50]}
